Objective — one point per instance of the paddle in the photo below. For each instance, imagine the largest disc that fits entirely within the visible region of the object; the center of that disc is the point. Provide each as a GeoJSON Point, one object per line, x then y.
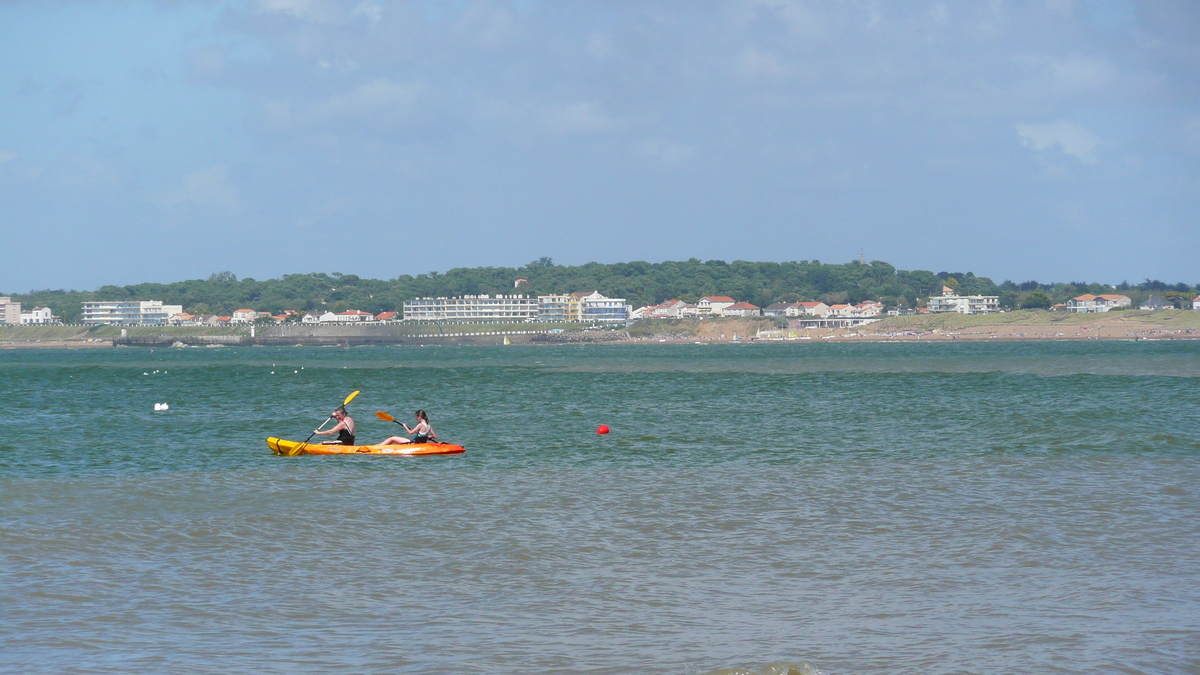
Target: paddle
{"type": "Point", "coordinates": [300, 448]}
{"type": "Point", "coordinates": [388, 418]}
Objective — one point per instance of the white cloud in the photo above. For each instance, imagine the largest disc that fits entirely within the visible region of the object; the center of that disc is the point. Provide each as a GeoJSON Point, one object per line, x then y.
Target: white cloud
{"type": "Point", "coordinates": [204, 187]}
{"type": "Point", "coordinates": [667, 152]}
{"type": "Point", "coordinates": [579, 118]}
{"type": "Point", "coordinates": [1070, 138]}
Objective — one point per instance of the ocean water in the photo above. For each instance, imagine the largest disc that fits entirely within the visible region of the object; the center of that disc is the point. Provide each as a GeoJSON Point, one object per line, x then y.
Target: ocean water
{"type": "Point", "coordinates": [845, 508]}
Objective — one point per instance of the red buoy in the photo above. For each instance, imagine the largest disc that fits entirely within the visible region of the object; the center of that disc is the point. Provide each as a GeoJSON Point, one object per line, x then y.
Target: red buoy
{"type": "Point", "coordinates": [602, 429]}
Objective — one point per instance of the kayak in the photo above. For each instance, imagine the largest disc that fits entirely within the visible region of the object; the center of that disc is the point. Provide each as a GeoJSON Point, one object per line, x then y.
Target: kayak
{"type": "Point", "coordinates": [282, 447]}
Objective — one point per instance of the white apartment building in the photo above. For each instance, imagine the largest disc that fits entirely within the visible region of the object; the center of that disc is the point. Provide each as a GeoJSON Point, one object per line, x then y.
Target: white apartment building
{"type": "Point", "coordinates": [473, 309]}
{"type": "Point", "coordinates": [129, 313]}
{"type": "Point", "coordinates": [594, 307]}
{"type": "Point", "coordinates": [39, 315]}
{"type": "Point", "coordinates": [963, 304]}
{"type": "Point", "coordinates": [10, 312]}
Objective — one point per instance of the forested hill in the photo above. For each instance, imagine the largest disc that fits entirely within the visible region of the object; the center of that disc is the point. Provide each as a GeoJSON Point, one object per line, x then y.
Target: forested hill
{"type": "Point", "coordinates": [641, 283]}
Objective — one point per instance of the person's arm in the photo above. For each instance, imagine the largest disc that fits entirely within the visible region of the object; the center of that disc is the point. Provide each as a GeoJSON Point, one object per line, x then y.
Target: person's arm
{"type": "Point", "coordinates": [406, 429]}
{"type": "Point", "coordinates": [336, 428]}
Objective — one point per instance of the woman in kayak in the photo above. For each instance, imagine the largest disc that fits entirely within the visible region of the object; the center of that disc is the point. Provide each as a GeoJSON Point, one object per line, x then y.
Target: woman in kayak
{"type": "Point", "coordinates": [424, 432]}
{"type": "Point", "coordinates": [344, 428]}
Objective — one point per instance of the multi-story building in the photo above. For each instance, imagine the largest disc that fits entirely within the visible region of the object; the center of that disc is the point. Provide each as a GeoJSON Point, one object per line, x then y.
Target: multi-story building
{"type": "Point", "coordinates": [1091, 304]}
{"type": "Point", "coordinates": [964, 304]}
{"type": "Point", "coordinates": [473, 309]}
{"type": "Point", "coordinates": [742, 309]}
{"type": "Point", "coordinates": [595, 308]}
{"type": "Point", "coordinates": [558, 308]}
{"type": "Point", "coordinates": [10, 312]}
{"type": "Point", "coordinates": [129, 313]}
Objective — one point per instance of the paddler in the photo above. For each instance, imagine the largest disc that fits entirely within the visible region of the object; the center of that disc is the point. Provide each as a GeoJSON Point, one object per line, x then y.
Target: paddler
{"type": "Point", "coordinates": [423, 432]}
{"type": "Point", "coordinates": [344, 428]}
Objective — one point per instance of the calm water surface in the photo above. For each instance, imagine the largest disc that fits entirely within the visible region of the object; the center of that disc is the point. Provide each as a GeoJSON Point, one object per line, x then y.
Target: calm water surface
{"type": "Point", "coordinates": [863, 508]}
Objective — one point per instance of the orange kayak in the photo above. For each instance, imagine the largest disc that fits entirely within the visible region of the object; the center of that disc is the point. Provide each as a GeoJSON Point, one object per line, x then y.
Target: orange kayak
{"type": "Point", "coordinates": [282, 447]}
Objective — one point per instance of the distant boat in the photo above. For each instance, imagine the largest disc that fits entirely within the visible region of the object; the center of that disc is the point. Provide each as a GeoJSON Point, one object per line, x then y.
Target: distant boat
{"type": "Point", "coordinates": [735, 338]}
{"type": "Point", "coordinates": [506, 340]}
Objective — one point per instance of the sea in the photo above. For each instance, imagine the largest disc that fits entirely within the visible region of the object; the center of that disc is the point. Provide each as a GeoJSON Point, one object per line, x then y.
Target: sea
{"type": "Point", "coordinates": [799, 508]}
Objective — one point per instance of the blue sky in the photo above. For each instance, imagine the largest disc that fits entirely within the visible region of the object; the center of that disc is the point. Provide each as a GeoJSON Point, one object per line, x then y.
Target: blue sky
{"type": "Point", "coordinates": [158, 141]}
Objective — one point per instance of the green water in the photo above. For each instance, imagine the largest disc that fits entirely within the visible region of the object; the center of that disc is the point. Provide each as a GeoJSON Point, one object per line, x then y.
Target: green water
{"type": "Point", "coordinates": [866, 508]}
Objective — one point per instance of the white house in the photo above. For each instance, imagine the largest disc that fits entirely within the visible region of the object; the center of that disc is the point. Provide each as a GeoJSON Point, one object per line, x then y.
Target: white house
{"type": "Point", "coordinates": [778, 308]}
{"type": "Point", "coordinates": [869, 308]}
{"type": "Point", "coordinates": [328, 317]}
{"type": "Point", "coordinates": [355, 316]}
{"type": "Point", "coordinates": [742, 309]}
{"type": "Point", "coordinates": [1196, 303]}
{"type": "Point", "coordinates": [243, 316]}
{"type": "Point", "coordinates": [819, 309]}
{"type": "Point", "coordinates": [1092, 304]}
{"type": "Point", "coordinates": [39, 315]}
{"type": "Point", "coordinates": [310, 317]}
{"type": "Point", "coordinates": [714, 305]}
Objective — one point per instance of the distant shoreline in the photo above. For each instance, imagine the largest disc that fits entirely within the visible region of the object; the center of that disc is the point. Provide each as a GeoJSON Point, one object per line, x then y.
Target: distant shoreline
{"type": "Point", "coordinates": [1027, 326]}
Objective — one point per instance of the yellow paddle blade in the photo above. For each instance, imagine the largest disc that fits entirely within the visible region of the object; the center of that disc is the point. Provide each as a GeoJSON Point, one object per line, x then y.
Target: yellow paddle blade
{"type": "Point", "coordinates": [350, 398]}
{"type": "Point", "coordinates": [385, 417]}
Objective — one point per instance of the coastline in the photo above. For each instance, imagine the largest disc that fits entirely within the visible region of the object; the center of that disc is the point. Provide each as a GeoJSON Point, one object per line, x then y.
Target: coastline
{"type": "Point", "coordinates": [1035, 326]}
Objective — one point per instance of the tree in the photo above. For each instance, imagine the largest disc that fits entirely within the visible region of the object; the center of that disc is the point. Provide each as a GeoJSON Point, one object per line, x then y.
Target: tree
{"type": "Point", "coordinates": [1036, 300]}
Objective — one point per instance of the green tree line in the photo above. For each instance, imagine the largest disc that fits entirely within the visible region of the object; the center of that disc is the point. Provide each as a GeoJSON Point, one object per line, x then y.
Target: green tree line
{"type": "Point", "coordinates": [639, 282]}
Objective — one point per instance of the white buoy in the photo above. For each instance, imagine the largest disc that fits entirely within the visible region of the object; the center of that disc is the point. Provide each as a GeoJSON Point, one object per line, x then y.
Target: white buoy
{"type": "Point", "coordinates": [166, 407]}
{"type": "Point", "coordinates": [158, 406]}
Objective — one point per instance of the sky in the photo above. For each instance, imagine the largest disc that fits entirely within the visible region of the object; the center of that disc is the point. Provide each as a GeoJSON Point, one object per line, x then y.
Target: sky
{"type": "Point", "coordinates": [1056, 140]}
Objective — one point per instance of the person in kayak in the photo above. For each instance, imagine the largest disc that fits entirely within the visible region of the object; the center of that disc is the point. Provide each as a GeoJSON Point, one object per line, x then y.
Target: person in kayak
{"type": "Point", "coordinates": [423, 432]}
{"type": "Point", "coordinates": [344, 428]}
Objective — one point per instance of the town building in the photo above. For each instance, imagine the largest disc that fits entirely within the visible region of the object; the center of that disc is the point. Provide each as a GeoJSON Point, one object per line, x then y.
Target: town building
{"type": "Point", "coordinates": [10, 312]}
{"type": "Point", "coordinates": [243, 316]}
{"type": "Point", "coordinates": [128, 313]}
{"type": "Point", "coordinates": [714, 305]}
{"type": "Point", "coordinates": [1155, 303]}
{"type": "Point", "coordinates": [595, 308]}
{"type": "Point", "coordinates": [963, 304]}
{"type": "Point", "coordinates": [39, 315]}
{"type": "Point", "coordinates": [387, 316]}
{"type": "Point", "coordinates": [1093, 304]}
{"type": "Point", "coordinates": [742, 309]}
{"type": "Point", "coordinates": [354, 316]}
{"type": "Point", "coordinates": [558, 308]}
{"type": "Point", "coordinates": [1196, 304]}
{"type": "Point", "coordinates": [818, 309]}
{"type": "Point", "coordinates": [472, 309]}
